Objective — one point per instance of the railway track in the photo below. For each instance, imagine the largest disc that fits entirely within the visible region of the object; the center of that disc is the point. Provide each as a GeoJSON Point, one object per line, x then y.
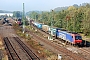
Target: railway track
{"type": "Point", "coordinates": [59, 48]}
{"type": "Point", "coordinates": [31, 55]}
{"type": "Point", "coordinates": [12, 52]}
{"type": "Point", "coordinates": [12, 55]}
{"type": "Point", "coordinates": [85, 50]}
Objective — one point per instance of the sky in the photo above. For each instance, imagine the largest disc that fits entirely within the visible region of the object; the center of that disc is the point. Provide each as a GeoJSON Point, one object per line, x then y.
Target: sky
{"type": "Point", "coordinates": [40, 5]}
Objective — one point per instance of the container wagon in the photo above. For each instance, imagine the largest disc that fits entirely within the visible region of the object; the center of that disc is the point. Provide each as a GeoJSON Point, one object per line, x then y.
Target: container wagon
{"type": "Point", "coordinates": [45, 28]}
{"type": "Point", "coordinates": [52, 31]}
{"type": "Point", "coordinates": [38, 25]}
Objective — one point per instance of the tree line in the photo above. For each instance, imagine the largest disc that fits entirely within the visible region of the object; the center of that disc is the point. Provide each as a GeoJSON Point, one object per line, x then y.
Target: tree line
{"type": "Point", "coordinates": [75, 19]}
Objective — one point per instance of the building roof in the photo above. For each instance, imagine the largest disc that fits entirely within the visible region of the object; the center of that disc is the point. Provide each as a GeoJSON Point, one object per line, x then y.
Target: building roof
{"type": "Point", "coordinates": [8, 14]}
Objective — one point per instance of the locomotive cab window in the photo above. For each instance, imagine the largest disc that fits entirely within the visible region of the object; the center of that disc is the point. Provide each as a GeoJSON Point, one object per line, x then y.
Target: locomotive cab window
{"type": "Point", "coordinates": [78, 38]}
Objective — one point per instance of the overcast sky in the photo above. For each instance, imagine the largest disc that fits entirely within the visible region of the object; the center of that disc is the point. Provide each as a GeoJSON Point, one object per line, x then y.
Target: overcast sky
{"type": "Point", "coordinates": [41, 5]}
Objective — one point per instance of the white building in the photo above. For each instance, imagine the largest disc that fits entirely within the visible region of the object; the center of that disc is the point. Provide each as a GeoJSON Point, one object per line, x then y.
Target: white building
{"type": "Point", "coordinates": [8, 14]}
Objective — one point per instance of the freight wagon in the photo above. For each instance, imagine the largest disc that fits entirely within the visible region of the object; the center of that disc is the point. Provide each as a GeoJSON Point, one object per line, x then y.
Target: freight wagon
{"type": "Point", "coordinates": [38, 25]}
{"type": "Point", "coordinates": [71, 37]}
{"type": "Point", "coordinates": [45, 28]}
{"type": "Point", "coordinates": [52, 31]}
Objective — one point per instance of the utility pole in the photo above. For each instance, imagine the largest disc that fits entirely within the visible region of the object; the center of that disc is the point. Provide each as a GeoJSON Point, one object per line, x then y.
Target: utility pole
{"type": "Point", "coordinates": [42, 18]}
{"type": "Point", "coordinates": [52, 24]}
{"type": "Point", "coordinates": [60, 23]}
{"type": "Point", "coordinates": [35, 18]}
{"type": "Point", "coordinates": [67, 24]}
{"type": "Point", "coordinates": [51, 30]}
{"type": "Point", "coordinates": [67, 18]}
{"type": "Point", "coordinates": [23, 18]}
{"type": "Point", "coordinates": [74, 24]}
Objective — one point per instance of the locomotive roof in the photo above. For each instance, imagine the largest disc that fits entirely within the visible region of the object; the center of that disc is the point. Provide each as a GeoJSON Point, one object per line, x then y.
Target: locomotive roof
{"type": "Point", "coordinates": [73, 32]}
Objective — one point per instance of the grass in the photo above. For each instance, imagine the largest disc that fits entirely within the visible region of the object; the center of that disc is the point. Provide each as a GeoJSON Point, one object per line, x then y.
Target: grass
{"type": "Point", "coordinates": [35, 45]}
{"type": "Point", "coordinates": [40, 50]}
{"type": "Point", "coordinates": [19, 32]}
{"type": "Point", "coordinates": [87, 38]}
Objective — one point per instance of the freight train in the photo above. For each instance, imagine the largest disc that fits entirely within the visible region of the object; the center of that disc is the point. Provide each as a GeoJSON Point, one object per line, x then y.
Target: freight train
{"type": "Point", "coordinates": [72, 37]}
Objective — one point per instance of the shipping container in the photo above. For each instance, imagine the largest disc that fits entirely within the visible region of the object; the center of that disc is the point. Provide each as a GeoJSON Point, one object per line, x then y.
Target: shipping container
{"type": "Point", "coordinates": [38, 25]}
{"type": "Point", "coordinates": [52, 31]}
{"type": "Point", "coordinates": [45, 28]}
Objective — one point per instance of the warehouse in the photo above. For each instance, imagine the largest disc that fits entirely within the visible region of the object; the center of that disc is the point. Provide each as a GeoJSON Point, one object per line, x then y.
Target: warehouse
{"type": "Point", "coordinates": [7, 14]}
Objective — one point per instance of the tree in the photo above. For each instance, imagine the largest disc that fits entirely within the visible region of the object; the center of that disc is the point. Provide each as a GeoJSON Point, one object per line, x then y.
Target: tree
{"type": "Point", "coordinates": [85, 24]}
{"type": "Point", "coordinates": [77, 21]}
{"type": "Point", "coordinates": [75, 5]}
{"type": "Point", "coordinates": [17, 14]}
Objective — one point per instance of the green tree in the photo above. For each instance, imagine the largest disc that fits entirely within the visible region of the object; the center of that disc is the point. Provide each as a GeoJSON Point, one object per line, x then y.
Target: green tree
{"type": "Point", "coordinates": [77, 21]}
{"type": "Point", "coordinates": [85, 22]}
{"type": "Point", "coordinates": [17, 14]}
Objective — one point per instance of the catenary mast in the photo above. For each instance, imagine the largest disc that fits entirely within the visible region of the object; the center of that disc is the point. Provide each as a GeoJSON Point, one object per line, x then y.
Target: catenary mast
{"type": "Point", "coordinates": [23, 18]}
